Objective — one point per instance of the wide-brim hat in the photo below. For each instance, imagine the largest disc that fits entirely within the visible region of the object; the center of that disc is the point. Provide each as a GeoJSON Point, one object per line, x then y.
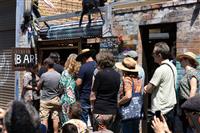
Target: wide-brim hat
{"type": "Point", "coordinates": [128, 64]}
{"type": "Point", "coordinates": [190, 56]}
{"type": "Point", "coordinates": [85, 52]}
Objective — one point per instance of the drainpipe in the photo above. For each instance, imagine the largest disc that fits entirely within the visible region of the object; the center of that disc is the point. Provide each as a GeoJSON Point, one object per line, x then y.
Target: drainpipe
{"type": "Point", "coordinates": [19, 16]}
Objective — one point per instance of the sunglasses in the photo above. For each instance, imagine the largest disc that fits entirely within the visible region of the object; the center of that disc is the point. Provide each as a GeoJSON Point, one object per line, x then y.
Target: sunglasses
{"type": "Point", "coordinates": [155, 53]}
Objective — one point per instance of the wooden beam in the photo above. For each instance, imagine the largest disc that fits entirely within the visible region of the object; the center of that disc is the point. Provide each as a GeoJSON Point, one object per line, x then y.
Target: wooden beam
{"type": "Point", "coordinates": [60, 16]}
{"type": "Point", "coordinates": [67, 15]}
{"type": "Point", "coordinates": [132, 4]}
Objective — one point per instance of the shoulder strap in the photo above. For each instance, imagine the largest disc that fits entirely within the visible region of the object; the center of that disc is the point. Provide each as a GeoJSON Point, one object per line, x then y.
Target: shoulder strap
{"type": "Point", "coordinates": [137, 86]}
{"type": "Point", "coordinates": [138, 95]}
{"type": "Point", "coordinates": [172, 72]}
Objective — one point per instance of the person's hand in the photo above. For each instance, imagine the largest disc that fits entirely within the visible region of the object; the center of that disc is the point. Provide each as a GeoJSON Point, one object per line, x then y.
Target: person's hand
{"type": "Point", "coordinates": [92, 108]}
{"type": "Point", "coordinates": [145, 89]}
{"type": "Point", "coordinates": [160, 126]}
{"type": "Point", "coordinates": [2, 113]}
{"type": "Point", "coordinates": [118, 105]}
{"type": "Point", "coordinates": [36, 89]}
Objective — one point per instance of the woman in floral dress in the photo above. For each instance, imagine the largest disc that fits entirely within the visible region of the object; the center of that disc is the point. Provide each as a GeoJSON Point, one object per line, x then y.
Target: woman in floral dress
{"type": "Point", "coordinates": [67, 82]}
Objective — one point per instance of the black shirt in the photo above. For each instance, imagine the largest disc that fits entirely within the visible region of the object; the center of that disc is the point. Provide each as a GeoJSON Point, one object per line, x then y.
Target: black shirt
{"type": "Point", "coordinates": [106, 86]}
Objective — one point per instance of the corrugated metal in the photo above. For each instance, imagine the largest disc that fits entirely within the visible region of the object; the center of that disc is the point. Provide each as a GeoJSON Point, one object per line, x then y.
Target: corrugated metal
{"type": "Point", "coordinates": [7, 41]}
{"type": "Point", "coordinates": [7, 78]}
{"type": "Point", "coordinates": [62, 32]}
{"type": "Point", "coordinates": [7, 23]}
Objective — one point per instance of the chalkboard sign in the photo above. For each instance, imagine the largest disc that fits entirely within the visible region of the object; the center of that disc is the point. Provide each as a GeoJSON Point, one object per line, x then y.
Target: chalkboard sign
{"type": "Point", "coordinates": [113, 45]}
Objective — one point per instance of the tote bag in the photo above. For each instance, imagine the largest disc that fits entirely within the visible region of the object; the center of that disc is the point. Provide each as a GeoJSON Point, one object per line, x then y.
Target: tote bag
{"type": "Point", "coordinates": [133, 108]}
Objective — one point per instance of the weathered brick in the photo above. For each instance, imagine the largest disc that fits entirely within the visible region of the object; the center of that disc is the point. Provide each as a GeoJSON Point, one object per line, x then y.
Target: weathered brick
{"type": "Point", "coordinates": [155, 6]}
{"type": "Point", "coordinates": [147, 16]}
{"type": "Point", "coordinates": [61, 6]}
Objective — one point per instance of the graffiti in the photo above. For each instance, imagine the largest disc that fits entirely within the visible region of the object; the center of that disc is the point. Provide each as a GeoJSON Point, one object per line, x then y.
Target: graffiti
{"type": "Point", "coordinates": [4, 68]}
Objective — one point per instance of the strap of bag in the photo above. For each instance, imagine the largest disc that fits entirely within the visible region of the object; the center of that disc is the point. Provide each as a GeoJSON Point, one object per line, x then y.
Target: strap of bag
{"type": "Point", "coordinates": [138, 94]}
{"type": "Point", "coordinates": [172, 72]}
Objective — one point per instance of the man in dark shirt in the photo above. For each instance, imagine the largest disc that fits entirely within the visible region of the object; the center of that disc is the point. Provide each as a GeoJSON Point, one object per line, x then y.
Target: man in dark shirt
{"type": "Point", "coordinates": [84, 80]}
{"type": "Point", "coordinates": [56, 58]}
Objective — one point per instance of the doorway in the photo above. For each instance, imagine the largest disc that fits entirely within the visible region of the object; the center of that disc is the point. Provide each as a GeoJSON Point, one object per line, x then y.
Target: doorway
{"type": "Point", "coordinates": [64, 53]}
{"type": "Point", "coordinates": [150, 35]}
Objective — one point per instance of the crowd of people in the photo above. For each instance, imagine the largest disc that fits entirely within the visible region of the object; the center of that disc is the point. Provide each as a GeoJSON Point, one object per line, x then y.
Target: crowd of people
{"type": "Point", "coordinates": [93, 88]}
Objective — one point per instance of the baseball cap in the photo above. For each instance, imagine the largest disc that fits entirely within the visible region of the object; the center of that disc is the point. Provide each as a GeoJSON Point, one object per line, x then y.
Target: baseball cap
{"type": "Point", "coordinates": [131, 53]}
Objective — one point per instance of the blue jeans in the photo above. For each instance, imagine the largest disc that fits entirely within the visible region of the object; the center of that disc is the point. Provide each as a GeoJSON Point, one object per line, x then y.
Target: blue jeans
{"type": "Point", "coordinates": [131, 126]}
{"type": "Point", "coordinates": [85, 105]}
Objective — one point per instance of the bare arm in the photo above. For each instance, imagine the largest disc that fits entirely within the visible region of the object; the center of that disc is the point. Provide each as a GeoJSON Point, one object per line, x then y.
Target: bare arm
{"type": "Point", "coordinates": [2, 113]}
{"type": "Point", "coordinates": [149, 88]}
{"type": "Point", "coordinates": [30, 87]}
{"type": "Point", "coordinates": [193, 86]}
{"type": "Point", "coordinates": [92, 94]}
{"type": "Point", "coordinates": [39, 85]}
{"type": "Point", "coordinates": [27, 82]}
{"type": "Point", "coordinates": [78, 82]}
{"type": "Point", "coordinates": [92, 99]}
{"type": "Point", "coordinates": [128, 92]}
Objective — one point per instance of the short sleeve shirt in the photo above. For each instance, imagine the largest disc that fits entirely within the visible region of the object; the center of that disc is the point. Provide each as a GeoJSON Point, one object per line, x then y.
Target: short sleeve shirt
{"type": "Point", "coordinates": [106, 86]}
{"type": "Point", "coordinates": [86, 73]}
{"type": "Point", "coordinates": [28, 96]}
{"type": "Point", "coordinates": [50, 82]}
{"type": "Point", "coordinates": [163, 96]}
{"type": "Point", "coordinates": [184, 85]}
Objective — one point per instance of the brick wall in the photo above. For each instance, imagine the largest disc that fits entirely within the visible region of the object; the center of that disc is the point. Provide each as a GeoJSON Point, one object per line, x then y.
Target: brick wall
{"type": "Point", "coordinates": [61, 6]}
{"type": "Point", "coordinates": [126, 23]}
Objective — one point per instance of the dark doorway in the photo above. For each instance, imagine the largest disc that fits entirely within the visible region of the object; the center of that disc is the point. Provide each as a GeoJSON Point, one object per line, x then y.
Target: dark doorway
{"type": "Point", "coordinates": [94, 46]}
{"type": "Point", "coordinates": [151, 34]}
{"type": "Point", "coordinates": [64, 53]}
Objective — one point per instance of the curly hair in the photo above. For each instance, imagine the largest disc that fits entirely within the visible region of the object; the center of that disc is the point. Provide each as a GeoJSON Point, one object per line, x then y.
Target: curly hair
{"type": "Point", "coordinates": [105, 59]}
{"type": "Point", "coordinates": [72, 65]}
{"type": "Point", "coordinates": [75, 110]}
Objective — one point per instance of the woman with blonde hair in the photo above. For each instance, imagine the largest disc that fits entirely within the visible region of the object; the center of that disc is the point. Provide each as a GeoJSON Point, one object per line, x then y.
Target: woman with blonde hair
{"type": "Point", "coordinates": [67, 83]}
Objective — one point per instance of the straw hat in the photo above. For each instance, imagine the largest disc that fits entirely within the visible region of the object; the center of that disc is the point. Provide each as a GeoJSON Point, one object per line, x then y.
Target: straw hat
{"type": "Point", "coordinates": [190, 56]}
{"type": "Point", "coordinates": [85, 52]}
{"type": "Point", "coordinates": [128, 64]}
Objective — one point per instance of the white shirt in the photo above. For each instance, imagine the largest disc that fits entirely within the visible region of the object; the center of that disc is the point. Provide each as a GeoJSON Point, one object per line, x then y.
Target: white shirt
{"type": "Point", "coordinates": [163, 96]}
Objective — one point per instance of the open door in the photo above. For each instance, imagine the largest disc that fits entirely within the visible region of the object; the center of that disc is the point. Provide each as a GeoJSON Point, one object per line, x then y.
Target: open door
{"type": "Point", "coordinates": [151, 34]}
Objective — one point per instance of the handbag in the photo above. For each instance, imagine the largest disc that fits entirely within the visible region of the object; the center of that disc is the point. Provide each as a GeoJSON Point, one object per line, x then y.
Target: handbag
{"type": "Point", "coordinates": [133, 108]}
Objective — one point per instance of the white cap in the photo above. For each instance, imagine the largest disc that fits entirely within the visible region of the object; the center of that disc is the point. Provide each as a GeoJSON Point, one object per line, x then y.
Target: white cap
{"type": "Point", "coordinates": [131, 53]}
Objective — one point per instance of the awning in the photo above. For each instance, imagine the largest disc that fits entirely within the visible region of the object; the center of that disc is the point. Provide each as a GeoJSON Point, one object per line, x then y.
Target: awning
{"type": "Point", "coordinates": [63, 32]}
